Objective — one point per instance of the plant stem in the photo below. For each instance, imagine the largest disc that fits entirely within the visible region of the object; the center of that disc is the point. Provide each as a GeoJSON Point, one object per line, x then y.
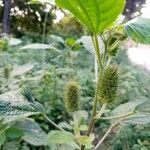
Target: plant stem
{"type": "Point", "coordinates": [53, 123]}
{"type": "Point", "coordinates": [117, 117]}
{"type": "Point", "coordinates": [93, 118]}
{"type": "Point", "coordinates": [97, 49]}
{"type": "Point", "coordinates": [105, 135]}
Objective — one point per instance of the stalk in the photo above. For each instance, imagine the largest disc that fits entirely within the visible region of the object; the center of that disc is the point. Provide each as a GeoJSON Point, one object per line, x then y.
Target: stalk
{"type": "Point", "coordinates": [105, 135]}
{"type": "Point", "coordinates": [53, 123]}
{"type": "Point", "coordinates": [94, 111]}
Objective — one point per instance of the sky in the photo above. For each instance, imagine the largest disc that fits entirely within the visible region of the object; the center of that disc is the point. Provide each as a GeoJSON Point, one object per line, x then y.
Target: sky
{"type": "Point", "coordinates": [140, 55]}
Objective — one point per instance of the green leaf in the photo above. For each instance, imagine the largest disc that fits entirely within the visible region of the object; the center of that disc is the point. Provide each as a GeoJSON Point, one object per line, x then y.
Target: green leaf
{"type": "Point", "coordinates": [40, 46]}
{"type": "Point", "coordinates": [139, 30]}
{"type": "Point", "coordinates": [80, 117]}
{"type": "Point", "coordinates": [42, 2]}
{"type": "Point", "coordinates": [65, 125]}
{"type": "Point", "coordinates": [13, 133]}
{"type": "Point", "coordinates": [96, 15]}
{"type": "Point", "coordinates": [87, 141]}
{"type": "Point", "coordinates": [32, 132]}
{"type": "Point", "coordinates": [61, 137]}
{"type": "Point", "coordinates": [2, 138]}
{"type": "Point", "coordinates": [14, 106]}
{"type": "Point", "coordinates": [138, 118]}
{"type": "Point", "coordinates": [127, 108]}
{"type": "Point", "coordinates": [144, 107]}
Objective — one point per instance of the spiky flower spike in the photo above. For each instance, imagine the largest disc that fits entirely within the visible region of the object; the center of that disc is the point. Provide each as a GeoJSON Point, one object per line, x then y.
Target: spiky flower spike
{"type": "Point", "coordinates": [71, 96]}
{"type": "Point", "coordinates": [107, 85]}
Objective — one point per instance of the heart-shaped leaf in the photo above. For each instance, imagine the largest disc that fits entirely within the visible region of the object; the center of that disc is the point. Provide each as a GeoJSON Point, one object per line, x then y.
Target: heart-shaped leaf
{"type": "Point", "coordinates": [96, 15]}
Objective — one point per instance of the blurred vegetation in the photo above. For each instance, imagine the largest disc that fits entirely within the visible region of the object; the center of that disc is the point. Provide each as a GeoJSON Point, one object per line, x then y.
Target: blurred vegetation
{"type": "Point", "coordinates": [48, 70]}
{"type": "Point", "coordinates": [50, 73]}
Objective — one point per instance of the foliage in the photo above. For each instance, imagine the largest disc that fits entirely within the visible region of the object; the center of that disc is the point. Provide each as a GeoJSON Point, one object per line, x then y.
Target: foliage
{"type": "Point", "coordinates": [46, 67]}
{"type": "Point", "coordinates": [93, 13]}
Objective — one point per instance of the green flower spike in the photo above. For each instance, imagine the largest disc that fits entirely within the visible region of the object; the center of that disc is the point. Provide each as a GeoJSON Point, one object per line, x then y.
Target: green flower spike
{"type": "Point", "coordinates": [107, 85]}
{"type": "Point", "coordinates": [71, 96]}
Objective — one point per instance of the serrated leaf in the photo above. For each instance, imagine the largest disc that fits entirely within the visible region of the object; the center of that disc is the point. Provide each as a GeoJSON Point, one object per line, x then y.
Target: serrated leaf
{"type": "Point", "coordinates": [138, 118]}
{"type": "Point", "coordinates": [61, 137]}
{"type": "Point", "coordinates": [127, 108]}
{"type": "Point", "coordinates": [32, 132]}
{"type": "Point", "coordinates": [40, 46]}
{"type": "Point", "coordinates": [15, 106]}
{"type": "Point", "coordinates": [139, 30]}
{"type": "Point", "coordinates": [96, 15]}
{"type": "Point", "coordinates": [144, 107]}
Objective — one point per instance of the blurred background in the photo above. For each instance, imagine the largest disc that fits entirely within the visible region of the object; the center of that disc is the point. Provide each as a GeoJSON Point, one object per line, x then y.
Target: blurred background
{"type": "Point", "coordinates": [46, 67]}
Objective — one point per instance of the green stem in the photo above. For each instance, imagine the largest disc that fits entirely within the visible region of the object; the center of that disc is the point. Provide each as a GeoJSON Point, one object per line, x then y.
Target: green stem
{"type": "Point", "coordinates": [53, 123]}
{"type": "Point", "coordinates": [97, 50]}
{"type": "Point", "coordinates": [93, 118]}
{"type": "Point", "coordinates": [118, 117]}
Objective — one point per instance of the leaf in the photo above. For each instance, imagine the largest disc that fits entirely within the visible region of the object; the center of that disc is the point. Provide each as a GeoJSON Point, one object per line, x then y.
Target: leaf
{"type": "Point", "coordinates": [65, 125]}
{"type": "Point", "coordinates": [96, 15]}
{"type": "Point", "coordinates": [139, 30]}
{"type": "Point", "coordinates": [40, 46]}
{"type": "Point", "coordinates": [32, 132]}
{"type": "Point", "coordinates": [20, 70]}
{"type": "Point", "coordinates": [144, 107]}
{"type": "Point", "coordinates": [2, 138]}
{"type": "Point", "coordinates": [80, 117]}
{"type": "Point", "coordinates": [42, 2]}
{"type": "Point", "coordinates": [13, 133]}
{"type": "Point", "coordinates": [15, 106]}
{"type": "Point", "coordinates": [127, 108]}
{"type": "Point", "coordinates": [56, 38]}
{"type": "Point", "coordinates": [61, 137]}
{"type": "Point", "coordinates": [14, 41]}
{"type": "Point", "coordinates": [138, 118]}
{"type": "Point", "coordinates": [87, 43]}
{"type": "Point", "coordinates": [87, 141]}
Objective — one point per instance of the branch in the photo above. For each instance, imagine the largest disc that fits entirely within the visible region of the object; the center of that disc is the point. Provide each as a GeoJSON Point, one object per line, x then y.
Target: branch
{"type": "Point", "coordinates": [53, 123]}
{"type": "Point", "coordinates": [105, 135]}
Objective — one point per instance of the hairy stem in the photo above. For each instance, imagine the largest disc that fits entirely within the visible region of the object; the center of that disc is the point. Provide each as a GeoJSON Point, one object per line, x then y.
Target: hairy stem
{"type": "Point", "coordinates": [53, 123]}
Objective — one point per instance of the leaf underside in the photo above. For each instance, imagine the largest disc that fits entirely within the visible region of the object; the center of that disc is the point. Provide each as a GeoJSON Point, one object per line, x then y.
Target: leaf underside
{"type": "Point", "coordinates": [96, 15]}
{"type": "Point", "coordinates": [138, 30]}
{"type": "Point", "coordinates": [139, 117]}
{"type": "Point", "coordinates": [14, 106]}
{"type": "Point", "coordinates": [32, 132]}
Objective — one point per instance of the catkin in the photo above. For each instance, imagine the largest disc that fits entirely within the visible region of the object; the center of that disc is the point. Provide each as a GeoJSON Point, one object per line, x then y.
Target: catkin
{"type": "Point", "coordinates": [71, 96]}
{"type": "Point", "coordinates": [107, 84]}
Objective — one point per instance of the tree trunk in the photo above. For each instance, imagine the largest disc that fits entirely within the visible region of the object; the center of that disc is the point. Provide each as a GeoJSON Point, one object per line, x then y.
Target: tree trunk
{"type": "Point", "coordinates": [6, 16]}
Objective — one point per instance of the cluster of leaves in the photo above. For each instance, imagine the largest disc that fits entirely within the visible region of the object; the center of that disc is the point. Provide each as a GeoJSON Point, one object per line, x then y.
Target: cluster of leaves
{"type": "Point", "coordinates": [58, 54]}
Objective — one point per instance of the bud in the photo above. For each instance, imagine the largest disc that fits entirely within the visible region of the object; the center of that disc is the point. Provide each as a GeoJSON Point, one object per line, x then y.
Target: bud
{"type": "Point", "coordinates": [113, 43]}
{"type": "Point", "coordinates": [107, 85]}
{"type": "Point", "coordinates": [71, 96]}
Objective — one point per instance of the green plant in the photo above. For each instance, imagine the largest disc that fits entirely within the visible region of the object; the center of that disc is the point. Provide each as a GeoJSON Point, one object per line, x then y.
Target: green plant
{"type": "Point", "coordinates": [77, 134]}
